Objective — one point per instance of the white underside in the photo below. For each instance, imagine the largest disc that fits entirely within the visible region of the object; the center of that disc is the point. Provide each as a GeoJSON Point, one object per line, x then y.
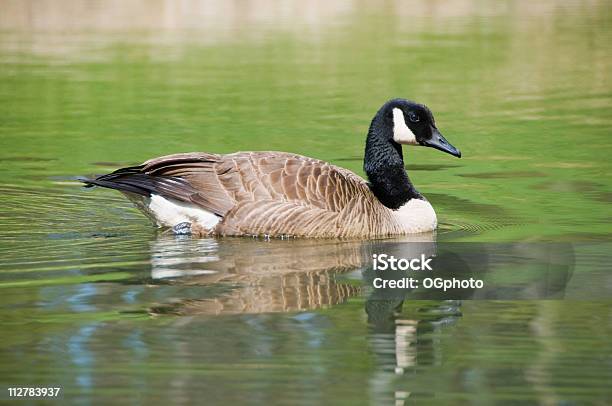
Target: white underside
{"type": "Point", "coordinates": [416, 216]}
{"type": "Point", "coordinates": [168, 213]}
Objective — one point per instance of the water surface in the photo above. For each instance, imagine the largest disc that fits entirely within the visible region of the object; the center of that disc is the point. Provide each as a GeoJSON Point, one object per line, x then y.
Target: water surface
{"type": "Point", "coordinates": [95, 299]}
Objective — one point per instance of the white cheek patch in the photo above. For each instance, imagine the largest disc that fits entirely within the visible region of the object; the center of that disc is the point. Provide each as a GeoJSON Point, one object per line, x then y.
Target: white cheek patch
{"type": "Point", "coordinates": [401, 132]}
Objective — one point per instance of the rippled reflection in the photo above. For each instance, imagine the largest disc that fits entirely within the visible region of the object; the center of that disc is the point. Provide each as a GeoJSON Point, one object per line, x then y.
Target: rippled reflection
{"type": "Point", "coordinates": [402, 340]}
{"type": "Point", "coordinates": [261, 276]}
{"type": "Point", "coordinates": [94, 299]}
{"type": "Point", "coordinates": [264, 276]}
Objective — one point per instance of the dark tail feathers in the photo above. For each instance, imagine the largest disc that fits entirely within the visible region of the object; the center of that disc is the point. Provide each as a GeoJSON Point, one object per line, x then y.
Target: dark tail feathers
{"type": "Point", "coordinates": [134, 181]}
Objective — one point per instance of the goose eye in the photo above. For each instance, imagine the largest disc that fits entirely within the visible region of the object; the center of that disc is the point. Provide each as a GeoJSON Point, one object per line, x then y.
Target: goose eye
{"type": "Point", "coordinates": [413, 117]}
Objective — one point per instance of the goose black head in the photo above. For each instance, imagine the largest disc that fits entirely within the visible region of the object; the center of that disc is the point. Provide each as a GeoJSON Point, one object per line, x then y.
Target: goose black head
{"type": "Point", "coordinates": [414, 124]}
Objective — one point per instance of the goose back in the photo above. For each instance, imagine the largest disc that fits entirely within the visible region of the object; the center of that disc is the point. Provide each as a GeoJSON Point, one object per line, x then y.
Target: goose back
{"type": "Point", "coordinates": [268, 193]}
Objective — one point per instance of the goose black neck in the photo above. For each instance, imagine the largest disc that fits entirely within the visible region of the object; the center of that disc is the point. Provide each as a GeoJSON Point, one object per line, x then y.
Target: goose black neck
{"type": "Point", "coordinates": [384, 165]}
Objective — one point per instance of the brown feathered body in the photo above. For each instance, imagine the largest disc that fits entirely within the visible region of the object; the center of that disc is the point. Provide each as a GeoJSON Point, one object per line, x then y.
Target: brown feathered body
{"type": "Point", "coordinates": [261, 193]}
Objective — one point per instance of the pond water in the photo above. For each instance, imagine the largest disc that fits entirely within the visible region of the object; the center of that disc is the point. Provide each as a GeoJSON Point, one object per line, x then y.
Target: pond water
{"type": "Point", "coordinates": [96, 300]}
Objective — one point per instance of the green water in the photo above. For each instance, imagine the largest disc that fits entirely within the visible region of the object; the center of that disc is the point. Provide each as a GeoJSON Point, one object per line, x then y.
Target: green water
{"type": "Point", "coordinates": [94, 299]}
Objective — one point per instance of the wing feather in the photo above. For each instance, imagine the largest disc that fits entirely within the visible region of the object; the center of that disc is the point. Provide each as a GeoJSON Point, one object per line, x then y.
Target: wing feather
{"type": "Point", "coordinates": [260, 192]}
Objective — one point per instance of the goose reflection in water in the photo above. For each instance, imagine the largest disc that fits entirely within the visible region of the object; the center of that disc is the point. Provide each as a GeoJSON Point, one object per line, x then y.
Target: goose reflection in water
{"type": "Point", "coordinates": [405, 333]}
{"type": "Point", "coordinates": [301, 275]}
{"type": "Point", "coordinates": [265, 276]}
{"type": "Point", "coordinates": [258, 276]}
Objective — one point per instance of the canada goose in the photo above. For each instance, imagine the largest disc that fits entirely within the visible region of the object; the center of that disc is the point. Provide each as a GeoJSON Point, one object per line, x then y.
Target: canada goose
{"type": "Point", "coordinates": [280, 194]}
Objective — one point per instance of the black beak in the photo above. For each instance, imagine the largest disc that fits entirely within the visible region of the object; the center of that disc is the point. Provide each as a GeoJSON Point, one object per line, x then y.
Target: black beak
{"type": "Point", "coordinates": [437, 141]}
